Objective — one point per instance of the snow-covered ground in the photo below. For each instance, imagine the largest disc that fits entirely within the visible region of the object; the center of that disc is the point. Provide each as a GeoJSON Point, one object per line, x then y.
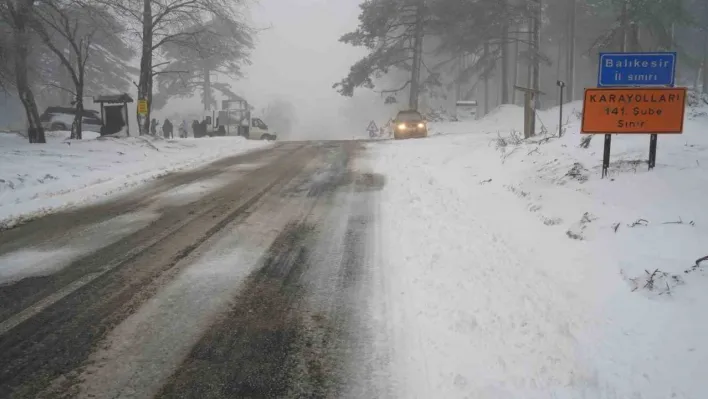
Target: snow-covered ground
{"type": "Point", "coordinates": [512, 270]}
{"type": "Point", "coordinates": [38, 179]}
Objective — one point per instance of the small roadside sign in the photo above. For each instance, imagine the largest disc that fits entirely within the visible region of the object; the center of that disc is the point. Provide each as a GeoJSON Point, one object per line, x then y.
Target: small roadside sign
{"type": "Point", "coordinates": [633, 110]}
{"type": "Point", "coordinates": [142, 107]}
{"type": "Point", "coordinates": [372, 129]}
{"type": "Point", "coordinates": [636, 69]}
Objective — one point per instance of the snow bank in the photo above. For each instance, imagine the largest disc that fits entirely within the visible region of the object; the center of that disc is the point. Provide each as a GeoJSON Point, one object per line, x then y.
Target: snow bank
{"type": "Point", "coordinates": [516, 271]}
{"type": "Point", "coordinates": [39, 179]}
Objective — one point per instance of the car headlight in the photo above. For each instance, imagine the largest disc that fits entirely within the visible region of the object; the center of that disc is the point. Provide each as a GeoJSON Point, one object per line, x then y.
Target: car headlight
{"type": "Point", "coordinates": [402, 126]}
{"type": "Point", "coordinates": [421, 125]}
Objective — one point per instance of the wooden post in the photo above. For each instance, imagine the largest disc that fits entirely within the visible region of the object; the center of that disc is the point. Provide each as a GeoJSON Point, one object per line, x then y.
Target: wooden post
{"type": "Point", "coordinates": [103, 120]}
{"type": "Point", "coordinates": [529, 111]}
{"type": "Point", "coordinates": [127, 122]}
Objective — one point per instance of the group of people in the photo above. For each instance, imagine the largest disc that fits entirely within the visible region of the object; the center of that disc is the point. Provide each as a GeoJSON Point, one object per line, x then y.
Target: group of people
{"type": "Point", "coordinates": [199, 128]}
{"type": "Point", "coordinates": [168, 128]}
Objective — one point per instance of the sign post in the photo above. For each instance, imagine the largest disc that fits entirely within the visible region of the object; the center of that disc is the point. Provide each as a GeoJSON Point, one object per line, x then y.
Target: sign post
{"type": "Point", "coordinates": [561, 85]}
{"type": "Point", "coordinates": [627, 70]}
{"type": "Point", "coordinates": [652, 150]}
{"type": "Point", "coordinates": [637, 110]}
{"type": "Point", "coordinates": [372, 129]}
{"type": "Point", "coordinates": [529, 110]}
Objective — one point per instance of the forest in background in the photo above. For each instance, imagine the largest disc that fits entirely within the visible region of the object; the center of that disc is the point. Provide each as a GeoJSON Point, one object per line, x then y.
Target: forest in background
{"type": "Point", "coordinates": [430, 53]}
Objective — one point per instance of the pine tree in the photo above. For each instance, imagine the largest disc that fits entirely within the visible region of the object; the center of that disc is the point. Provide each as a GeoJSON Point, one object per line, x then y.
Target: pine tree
{"type": "Point", "coordinates": [218, 47]}
{"type": "Point", "coordinates": [393, 32]}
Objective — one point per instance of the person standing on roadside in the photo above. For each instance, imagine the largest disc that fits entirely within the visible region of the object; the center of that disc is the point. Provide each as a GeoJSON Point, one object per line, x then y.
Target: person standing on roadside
{"type": "Point", "coordinates": [167, 129]}
{"type": "Point", "coordinates": [153, 126]}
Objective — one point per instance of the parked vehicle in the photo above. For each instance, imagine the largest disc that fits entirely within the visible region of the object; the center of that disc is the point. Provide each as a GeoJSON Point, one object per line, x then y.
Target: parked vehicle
{"type": "Point", "coordinates": [235, 120]}
{"type": "Point", "coordinates": [61, 118]}
{"type": "Point", "coordinates": [409, 124]}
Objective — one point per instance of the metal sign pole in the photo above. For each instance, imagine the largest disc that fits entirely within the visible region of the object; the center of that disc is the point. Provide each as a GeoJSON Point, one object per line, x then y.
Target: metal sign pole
{"type": "Point", "coordinates": [606, 155]}
{"type": "Point", "coordinates": [653, 140]}
{"type": "Point", "coordinates": [652, 151]}
{"type": "Point", "coordinates": [653, 69]}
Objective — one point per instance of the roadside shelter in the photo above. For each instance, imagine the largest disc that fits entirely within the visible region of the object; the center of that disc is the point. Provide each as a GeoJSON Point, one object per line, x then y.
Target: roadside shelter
{"type": "Point", "coordinates": [114, 112]}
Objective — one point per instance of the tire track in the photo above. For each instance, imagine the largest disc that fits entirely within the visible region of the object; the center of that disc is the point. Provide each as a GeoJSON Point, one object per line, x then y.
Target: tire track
{"type": "Point", "coordinates": [291, 331]}
{"type": "Point", "coordinates": [25, 294]}
{"type": "Point", "coordinates": [58, 339]}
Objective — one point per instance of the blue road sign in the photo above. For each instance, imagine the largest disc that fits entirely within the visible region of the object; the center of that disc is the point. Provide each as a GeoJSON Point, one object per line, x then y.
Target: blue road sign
{"type": "Point", "coordinates": [636, 69]}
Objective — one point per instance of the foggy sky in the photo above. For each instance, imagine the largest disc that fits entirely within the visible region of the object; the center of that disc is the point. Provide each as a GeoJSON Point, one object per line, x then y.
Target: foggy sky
{"type": "Point", "coordinates": [299, 57]}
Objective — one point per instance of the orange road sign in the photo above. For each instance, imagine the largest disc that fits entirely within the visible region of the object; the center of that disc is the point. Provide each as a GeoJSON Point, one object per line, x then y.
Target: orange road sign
{"type": "Point", "coordinates": [634, 110]}
{"type": "Point", "coordinates": [142, 107]}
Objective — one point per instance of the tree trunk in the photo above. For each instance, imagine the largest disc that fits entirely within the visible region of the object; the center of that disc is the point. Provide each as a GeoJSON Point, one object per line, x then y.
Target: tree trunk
{"type": "Point", "coordinates": [458, 83]}
{"type": "Point", "coordinates": [624, 21]}
{"type": "Point", "coordinates": [537, 50]}
{"type": "Point", "coordinates": [505, 61]}
{"type": "Point", "coordinates": [634, 38]}
{"type": "Point", "coordinates": [76, 127]}
{"type": "Point", "coordinates": [570, 70]}
{"type": "Point", "coordinates": [705, 63]}
{"type": "Point", "coordinates": [145, 80]}
{"type": "Point", "coordinates": [35, 131]}
{"type": "Point", "coordinates": [65, 81]}
{"type": "Point", "coordinates": [206, 98]}
{"type": "Point", "coordinates": [515, 72]}
{"type": "Point", "coordinates": [529, 46]}
{"type": "Point", "coordinates": [417, 58]}
{"type": "Point", "coordinates": [486, 77]}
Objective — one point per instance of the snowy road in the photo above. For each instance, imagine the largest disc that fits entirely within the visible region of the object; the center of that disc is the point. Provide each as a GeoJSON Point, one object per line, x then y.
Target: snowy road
{"type": "Point", "coordinates": [413, 269]}
{"type": "Point", "coordinates": [237, 280]}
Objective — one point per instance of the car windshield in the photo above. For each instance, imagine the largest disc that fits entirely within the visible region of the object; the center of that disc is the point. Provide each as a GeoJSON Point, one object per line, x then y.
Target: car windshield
{"type": "Point", "coordinates": [409, 117]}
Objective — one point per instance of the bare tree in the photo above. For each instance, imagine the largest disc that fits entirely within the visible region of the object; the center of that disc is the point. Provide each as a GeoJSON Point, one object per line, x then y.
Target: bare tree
{"type": "Point", "coordinates": [18, 15]}
{"type": "Point", "coordinates": [6, 74]}
{"type": "Point", "coordinates": [161, 22]}
{"type": "Point", "coordinates": [83, 28]}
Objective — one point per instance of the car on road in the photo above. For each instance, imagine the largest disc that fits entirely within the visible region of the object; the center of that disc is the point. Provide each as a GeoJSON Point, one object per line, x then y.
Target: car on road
{"type": "Point", "coordinates": [409, 124]}
{"type": "Point", "coordinates": [61, 118]}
